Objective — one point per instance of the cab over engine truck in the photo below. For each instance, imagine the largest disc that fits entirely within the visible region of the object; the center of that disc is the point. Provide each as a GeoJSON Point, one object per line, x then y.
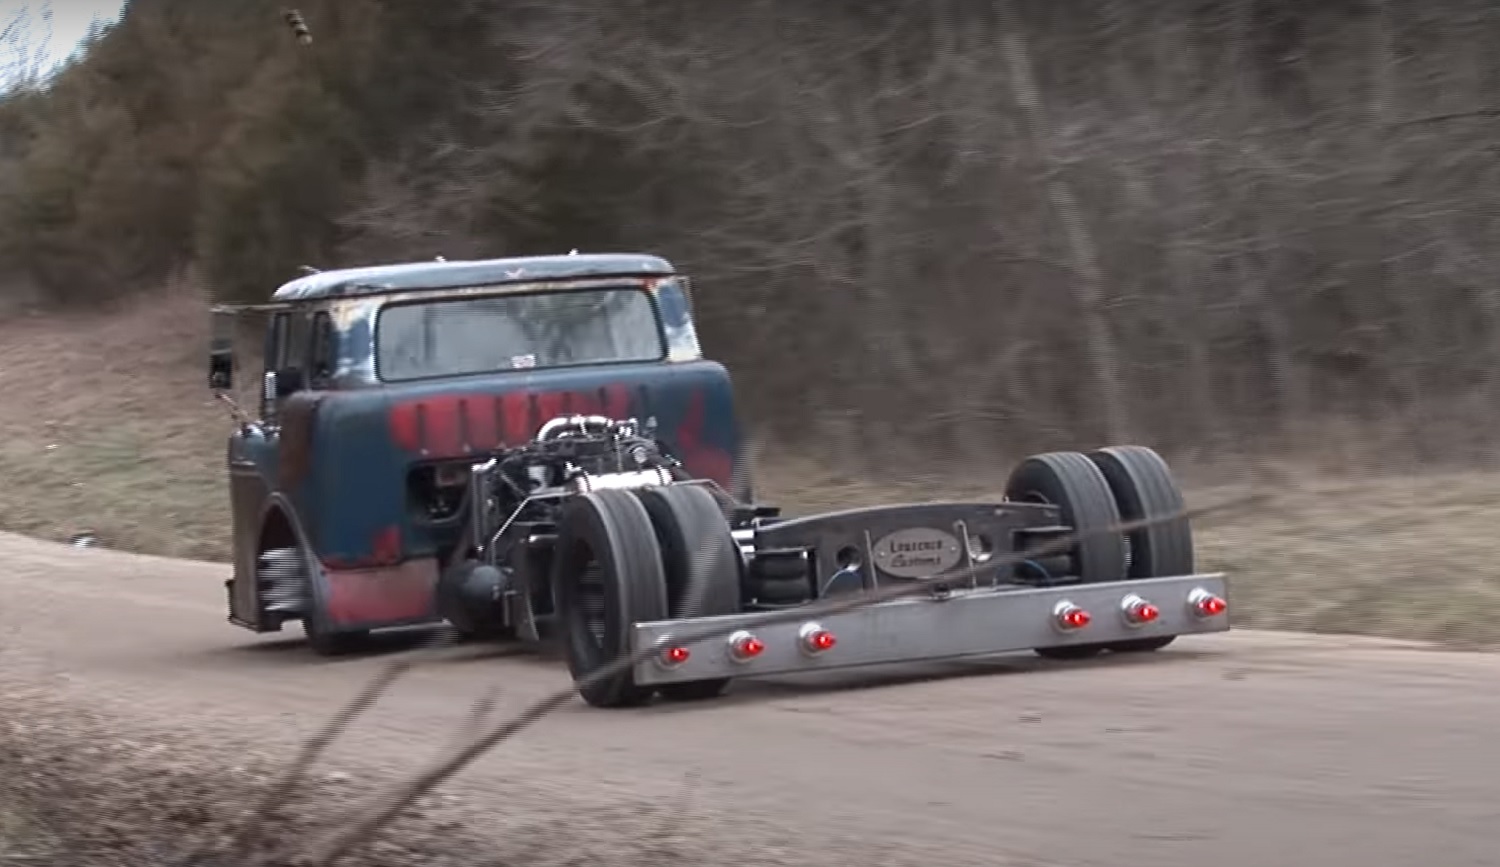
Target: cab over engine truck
{"type": "Point", "coordinates": [534, 447]}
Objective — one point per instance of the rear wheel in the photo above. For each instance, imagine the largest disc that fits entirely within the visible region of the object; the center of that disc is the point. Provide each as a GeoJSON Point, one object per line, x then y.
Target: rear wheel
{"type": "Point", "coordinates": [701, 563]}
{"type": "Point", "coordinates": [1144, 489]}
{"type": "Point", "coordinates": [1075, 485]}
{"type": "Point", "coordinates": [607, 571]}
{"type": "Point", "coordinates": [1072, 483]}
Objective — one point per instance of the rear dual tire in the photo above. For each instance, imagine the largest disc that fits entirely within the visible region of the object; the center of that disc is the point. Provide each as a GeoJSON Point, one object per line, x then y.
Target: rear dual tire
{"type": "Point", "coordinates": [1097, 492]}
{"type": "Point", "coordinates": [702, 565]}
{"type": "Point", "coordinates": [626, 557]}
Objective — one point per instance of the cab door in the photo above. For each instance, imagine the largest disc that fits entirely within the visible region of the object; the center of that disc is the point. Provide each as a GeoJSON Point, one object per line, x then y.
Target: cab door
{"type": "Point", "coordinates": [253, 451]}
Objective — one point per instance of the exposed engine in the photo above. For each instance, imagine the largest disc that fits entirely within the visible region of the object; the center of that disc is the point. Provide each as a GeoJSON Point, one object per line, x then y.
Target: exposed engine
{"type": "Point", "coordinates": [499, 579]}
{"type": "Point", "coordinates": [580, 453]}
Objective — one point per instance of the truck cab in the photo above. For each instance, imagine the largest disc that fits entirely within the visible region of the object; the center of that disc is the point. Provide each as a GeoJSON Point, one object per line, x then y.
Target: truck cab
{"type": "Point", "coordinates": [380, 387]}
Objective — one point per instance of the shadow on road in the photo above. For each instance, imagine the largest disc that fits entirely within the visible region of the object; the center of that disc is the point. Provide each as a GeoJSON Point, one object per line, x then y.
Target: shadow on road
{"type": "Point", "coordinates": [761, 690]}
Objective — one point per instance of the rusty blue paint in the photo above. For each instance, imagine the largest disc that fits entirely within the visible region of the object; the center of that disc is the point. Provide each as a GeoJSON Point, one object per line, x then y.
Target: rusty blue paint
{"type": "Point", "coordinates": [356, 489]}
{"type": "Point", "coordinates": [346, 474]}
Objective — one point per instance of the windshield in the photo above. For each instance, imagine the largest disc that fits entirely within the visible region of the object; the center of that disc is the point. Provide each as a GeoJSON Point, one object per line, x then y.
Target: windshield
{"type": "Point", "coordinates": [458, 336]}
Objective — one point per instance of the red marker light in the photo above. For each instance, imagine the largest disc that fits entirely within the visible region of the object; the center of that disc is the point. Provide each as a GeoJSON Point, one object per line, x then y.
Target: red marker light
{"type": "Point", "coordinates": [675, 655]}
{"type": "Point", "coordinates": [815, 639]}
{"type": "Point", "coordinates": [744, 646]}
{"type": "Point", "coordinates": [1070, 616]}
{"type": "Point", "coordinates": [1138, 611]}
{"type": "Point", "coordinates": [1206, 604]}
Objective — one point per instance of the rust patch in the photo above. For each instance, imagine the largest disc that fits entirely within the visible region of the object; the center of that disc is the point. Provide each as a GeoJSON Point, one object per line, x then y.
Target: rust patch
{"type": "Point", "coordinates": [298, 417]}
{"type": "Point", "coordinates": [387, 594]}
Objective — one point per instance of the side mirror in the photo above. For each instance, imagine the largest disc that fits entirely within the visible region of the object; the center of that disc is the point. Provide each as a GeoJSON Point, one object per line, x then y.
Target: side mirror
{"type": "Point", "coordinates": [221, 369]}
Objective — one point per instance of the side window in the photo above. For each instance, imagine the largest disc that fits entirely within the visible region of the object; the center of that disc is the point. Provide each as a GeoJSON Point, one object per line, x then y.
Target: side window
{"type": "Point", "coordinates": [276, 341]}
{"type": "Point", "coordinates": [289, 350]}
{"type": "Point", "coordinates": [320, 354]}
{"type": "Point", "coordinates": [299, 331]}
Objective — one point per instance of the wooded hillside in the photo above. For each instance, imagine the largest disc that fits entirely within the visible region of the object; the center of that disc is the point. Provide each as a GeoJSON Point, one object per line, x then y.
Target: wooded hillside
{"type": "Point", "coordinates": [981, 228]}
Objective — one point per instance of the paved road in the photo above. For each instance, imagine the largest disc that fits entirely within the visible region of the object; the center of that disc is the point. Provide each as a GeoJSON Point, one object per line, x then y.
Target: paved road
{"type": "Point", "coordinates": [1249, 749]}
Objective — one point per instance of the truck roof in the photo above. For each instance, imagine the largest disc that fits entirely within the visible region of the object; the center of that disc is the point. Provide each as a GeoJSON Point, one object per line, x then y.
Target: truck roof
{"type": "Point", "coordinates": [439, 274]}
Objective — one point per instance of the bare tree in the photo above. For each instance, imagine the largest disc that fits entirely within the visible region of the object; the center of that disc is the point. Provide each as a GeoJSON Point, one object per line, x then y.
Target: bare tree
{"type": "Point", "coordinates": [919, 230]}
{"type": "Point", "coordinates": [24, 45]}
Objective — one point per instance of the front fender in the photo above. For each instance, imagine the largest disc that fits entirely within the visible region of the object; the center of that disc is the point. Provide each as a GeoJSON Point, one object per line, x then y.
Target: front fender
{"type": "Point", "coordinates": [279, 503]}
{"type": "Point", "coordinates": [357, 599]}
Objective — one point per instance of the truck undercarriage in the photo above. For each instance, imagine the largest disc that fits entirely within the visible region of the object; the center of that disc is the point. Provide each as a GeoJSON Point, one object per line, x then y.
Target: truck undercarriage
{"type": "Point", "coordinates": [595, 534]}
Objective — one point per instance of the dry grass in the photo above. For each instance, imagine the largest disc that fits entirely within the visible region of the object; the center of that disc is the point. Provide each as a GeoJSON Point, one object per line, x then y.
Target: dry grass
{"type": "Point", "coordinates": [107, 427]}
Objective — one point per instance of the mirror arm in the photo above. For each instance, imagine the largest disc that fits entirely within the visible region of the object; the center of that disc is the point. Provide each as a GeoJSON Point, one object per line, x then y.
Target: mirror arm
{"type": "Point", "coordinates": [247, 424]}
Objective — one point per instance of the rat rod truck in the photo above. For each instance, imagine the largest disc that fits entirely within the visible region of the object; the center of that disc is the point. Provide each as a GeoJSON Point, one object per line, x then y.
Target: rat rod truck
{"type": "Point", "coordinates": [536, 447]}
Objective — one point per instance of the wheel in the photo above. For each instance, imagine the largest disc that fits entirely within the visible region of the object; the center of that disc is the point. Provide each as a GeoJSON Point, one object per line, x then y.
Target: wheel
{"type": "Point", "coordinates": [693, 690]}
{"type": "Point", "coordinates": [607, 570]}
{"type": "Point", "coordinates": [332, 643]}
{"type": "Point", "coordinates": [1141, 645]}
{"type": "Point", "coordinates": [285, 588]}
{"type": "Point", "coordinates": [1143, 489]}
{"type": "Point", "coordinates": [1072, 483]}
{"type": "Point", "coordinates": [1071, 651]}
{"type": "Point", "coordinates": [701, 563]}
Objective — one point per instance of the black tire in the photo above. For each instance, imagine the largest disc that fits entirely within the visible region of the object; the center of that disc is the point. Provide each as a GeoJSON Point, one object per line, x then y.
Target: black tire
{"type": "Point", "coordinates": [1070, 651]}
{"type": "Point", "coordinates": [693, 690]}
{"type": "Point", "coordinates": [605, 543]}
{"type": "Point", "coordinates": [701, 563]}
{"type": "Point", "coordinates": [1143, 487]}
{"type": "Point", "coordinates": [697, 548]}
{"type": "Point", "coordinates": [320, 640]}
{"type": "Point", "coordinates": [1072, 483]}
{"type": "Point", "coordinates": [1141, 645]}
{"type": "Point", "coordinates": [333, 643]}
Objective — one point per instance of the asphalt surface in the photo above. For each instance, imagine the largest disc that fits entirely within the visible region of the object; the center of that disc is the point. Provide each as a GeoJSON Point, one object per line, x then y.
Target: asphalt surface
{"type": "Point", "coordinates": [1248, 749]}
